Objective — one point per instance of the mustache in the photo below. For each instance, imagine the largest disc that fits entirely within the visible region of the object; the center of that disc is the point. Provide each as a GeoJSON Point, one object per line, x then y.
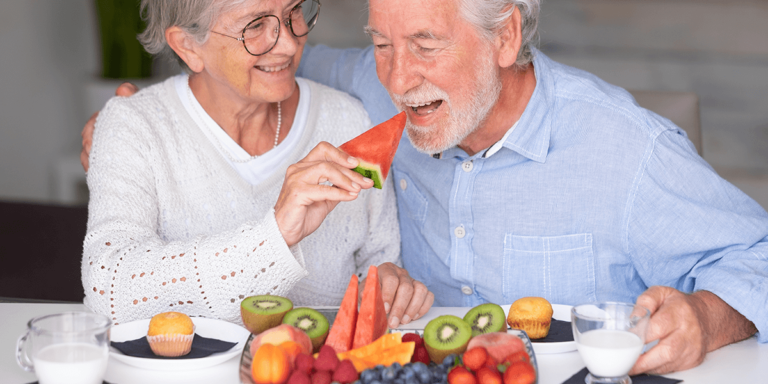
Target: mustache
{"type": "Point", "coordinates": [425, 93]}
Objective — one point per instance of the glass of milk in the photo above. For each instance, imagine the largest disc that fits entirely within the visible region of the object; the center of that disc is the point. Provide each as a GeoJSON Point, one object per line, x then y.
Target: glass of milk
{"type": "Point", "coordinates": [66, 348]}
{"type": "Point", "coordinates": [610, 337]}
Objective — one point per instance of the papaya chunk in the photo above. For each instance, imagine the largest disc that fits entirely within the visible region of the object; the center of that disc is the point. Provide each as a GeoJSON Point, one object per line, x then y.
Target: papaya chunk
{"type": "Point", "coordinates": [380, 345]}
{"type": "Point", "coordinates": [400, 353]}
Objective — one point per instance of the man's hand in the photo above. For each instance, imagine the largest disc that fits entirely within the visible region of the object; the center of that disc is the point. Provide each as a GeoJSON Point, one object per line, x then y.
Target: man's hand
{"type": "Point", "coordinates": [687, 327]}
{"type": "Point", "coordinates": [124, 90]}
{"type": "Point", "coordinates": [405, 299]}
{"type": "Point", "coordinates": [305, 199]}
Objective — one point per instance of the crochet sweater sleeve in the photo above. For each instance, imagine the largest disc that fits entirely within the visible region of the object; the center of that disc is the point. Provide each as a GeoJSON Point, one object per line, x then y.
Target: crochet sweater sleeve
{"type": "Point", "coordinates": [129, 272]}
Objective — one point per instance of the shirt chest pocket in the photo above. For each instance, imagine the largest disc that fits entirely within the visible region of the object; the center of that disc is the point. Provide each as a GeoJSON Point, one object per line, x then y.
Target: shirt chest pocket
{"type": "Point", "coordinates": [409, 199]}
{"type": "Point", "coordinates": [558, 268]}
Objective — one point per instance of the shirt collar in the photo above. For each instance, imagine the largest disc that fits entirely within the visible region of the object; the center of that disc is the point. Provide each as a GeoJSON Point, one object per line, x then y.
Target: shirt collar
{"type": "Point", "coordinates": [531, 137]}
{"type": "Point", "coordinates": [499, 144]}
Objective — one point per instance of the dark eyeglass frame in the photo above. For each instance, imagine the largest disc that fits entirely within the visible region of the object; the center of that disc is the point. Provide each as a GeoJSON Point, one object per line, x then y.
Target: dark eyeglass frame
{"type": "Point", "coordinates": [287, 23]}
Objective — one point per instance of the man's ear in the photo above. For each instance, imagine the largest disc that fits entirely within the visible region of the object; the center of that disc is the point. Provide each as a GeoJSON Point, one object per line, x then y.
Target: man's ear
{"type": "Point", "coordinates": [184, 46]}
{"type": "Point", "coordinates": [510, 39]}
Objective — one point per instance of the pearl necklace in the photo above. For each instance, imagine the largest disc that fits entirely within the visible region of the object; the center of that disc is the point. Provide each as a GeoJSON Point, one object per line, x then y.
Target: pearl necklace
{"type": "Point", "coordinates": [192, 99]}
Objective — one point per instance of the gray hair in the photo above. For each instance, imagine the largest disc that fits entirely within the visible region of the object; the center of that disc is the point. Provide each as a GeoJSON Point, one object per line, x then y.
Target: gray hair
{"type": "Point", "coordinates": [195, 17]}
{"type": "Point", "coordinates": [488, 16]}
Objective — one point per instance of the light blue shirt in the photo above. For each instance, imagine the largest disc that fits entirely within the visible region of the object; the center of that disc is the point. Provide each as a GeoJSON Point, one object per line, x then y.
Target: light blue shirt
{"type": "Point", "coordinates": [591, 197]}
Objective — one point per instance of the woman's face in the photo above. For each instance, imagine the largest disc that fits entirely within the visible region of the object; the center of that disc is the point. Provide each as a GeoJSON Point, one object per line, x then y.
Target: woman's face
{"type": "Point", "coordinates": [266, 78]}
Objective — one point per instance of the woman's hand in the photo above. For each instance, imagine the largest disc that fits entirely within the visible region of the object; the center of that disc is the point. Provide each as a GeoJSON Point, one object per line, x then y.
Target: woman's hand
{"type": "Point", "coordinates": [305, 199]}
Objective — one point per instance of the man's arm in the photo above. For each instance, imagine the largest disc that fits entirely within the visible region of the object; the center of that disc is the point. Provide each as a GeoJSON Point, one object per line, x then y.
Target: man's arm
{"type": "Point", "coordinates": [353, 71]}
{"type": "Point", "coordinates": [693, 231]}
{"type": "Point", "coordinates": [687, 327]}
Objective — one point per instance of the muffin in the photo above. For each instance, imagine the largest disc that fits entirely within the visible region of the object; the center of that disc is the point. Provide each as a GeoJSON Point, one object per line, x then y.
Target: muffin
{"type": "Point", "coordinates": [531, 314]}
{"type": "Point", "coordinates": [170, 334]}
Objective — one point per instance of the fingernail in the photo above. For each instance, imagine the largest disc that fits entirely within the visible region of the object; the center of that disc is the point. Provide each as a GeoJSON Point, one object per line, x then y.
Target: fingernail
{"type": "Point", "coordinates": [417, 316]}
{"type": "Point", "coordinates": [406, 319]}
{"type": "Point", "coordinates": [367, 180]}
{"type": "Point", "coordinates": [386, 307]}
{"type": "Point", "coordinates": [352, 160]}
{"type": "Point", "coordinates": [394, 322]}
{"type": "Point", "coordinates": [353, 193]}
{"type": "Point", "coordinates": [355, 185]}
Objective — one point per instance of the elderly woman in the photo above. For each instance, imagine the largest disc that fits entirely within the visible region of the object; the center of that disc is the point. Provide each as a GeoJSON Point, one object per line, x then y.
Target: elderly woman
{"type": "Point", "coordinates": [193, 203]}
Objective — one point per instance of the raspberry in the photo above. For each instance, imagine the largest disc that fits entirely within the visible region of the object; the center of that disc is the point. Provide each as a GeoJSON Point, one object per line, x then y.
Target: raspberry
{"type": "Point", "coordinates": [413, 337]}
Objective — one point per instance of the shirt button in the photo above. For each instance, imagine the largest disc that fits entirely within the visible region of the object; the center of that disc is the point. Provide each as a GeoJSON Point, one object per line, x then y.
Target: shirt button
{"type": "Point", "coordinates": [459, 232]}
{"type": "Point", "coordinates": [403, 184]}
{"type": "Point", "coordinates": [467, 166]}
{"type": "Point", "coordinates": [466, 290]}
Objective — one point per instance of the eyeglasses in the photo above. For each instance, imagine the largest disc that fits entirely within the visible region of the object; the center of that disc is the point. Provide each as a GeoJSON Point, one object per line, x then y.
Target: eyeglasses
{"type": "Point", "coordinates": [261, 34]}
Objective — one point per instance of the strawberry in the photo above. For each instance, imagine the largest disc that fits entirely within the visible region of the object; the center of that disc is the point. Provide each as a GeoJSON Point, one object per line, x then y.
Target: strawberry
{"type": "Point", "coordinates": [460, 375]}
{"type": "Point", "coordinates": [298, 377]}
{"type": "Point", "coordinates": [486, 375]}
{"type": "Point", "coordinates": [517, 356]}
{"type": "Point", "coordinates": [321, 377]}
{"type": "Point", "coordinates": [520, 372]}
{"type": "Point", "coordinates": [420, 355]}
{"type": "Point", "coordinates": [490, 362]}
{"type": "Point", "coordinates": [304, 363]}
{"type": "Point", "coordinates": [345, 373]}
{"type": "Point", "coordinates": [475, 358]}
{"type": "Point", "coordinates": [326, 359]}
{"type": "Point", "coordinates": [413, 337]}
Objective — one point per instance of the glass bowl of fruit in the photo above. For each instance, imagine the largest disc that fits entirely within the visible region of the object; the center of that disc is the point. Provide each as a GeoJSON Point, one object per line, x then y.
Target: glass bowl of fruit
{"type": "Point", "coordinates": [498, 354]}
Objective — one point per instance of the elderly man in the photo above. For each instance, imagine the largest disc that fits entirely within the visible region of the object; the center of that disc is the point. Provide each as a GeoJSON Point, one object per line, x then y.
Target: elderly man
{"type": "Point", "coordinates": [524, 177]}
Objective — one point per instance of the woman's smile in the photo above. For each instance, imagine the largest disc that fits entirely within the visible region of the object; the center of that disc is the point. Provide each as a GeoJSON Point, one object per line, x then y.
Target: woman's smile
{"type": "Point", "coordinates": [273, 67]}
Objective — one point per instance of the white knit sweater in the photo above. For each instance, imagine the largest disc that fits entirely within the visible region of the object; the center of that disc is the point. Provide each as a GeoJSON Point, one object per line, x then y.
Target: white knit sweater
{"type": "Point", "coordinates": [173, 227]}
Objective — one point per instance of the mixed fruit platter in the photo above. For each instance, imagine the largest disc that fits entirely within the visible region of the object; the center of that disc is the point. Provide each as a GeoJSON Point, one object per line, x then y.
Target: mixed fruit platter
{"type": "Point", "coordinates": [298, 346]}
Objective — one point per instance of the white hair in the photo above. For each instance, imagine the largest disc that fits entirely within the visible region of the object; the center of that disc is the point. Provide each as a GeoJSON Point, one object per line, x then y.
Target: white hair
{"type": "Point", "coordinates": [488, 16]}
{"type": "Point", "coordinates": [195, 17]}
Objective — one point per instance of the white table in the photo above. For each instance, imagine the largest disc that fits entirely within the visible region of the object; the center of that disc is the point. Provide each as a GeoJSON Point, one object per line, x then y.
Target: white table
{"type": "Point", "coordinates": [744, 362]}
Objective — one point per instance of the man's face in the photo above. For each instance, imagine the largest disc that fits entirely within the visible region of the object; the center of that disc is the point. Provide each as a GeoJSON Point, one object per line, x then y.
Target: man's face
{"type": "Point", "coordinates": [436, 67]}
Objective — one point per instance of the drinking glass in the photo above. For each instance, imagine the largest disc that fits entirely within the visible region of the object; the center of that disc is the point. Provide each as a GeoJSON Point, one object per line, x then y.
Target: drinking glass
{"type": "Point", "coordinates": [71, 348]}
{"type": "Point", "coordinates": [610, 337]}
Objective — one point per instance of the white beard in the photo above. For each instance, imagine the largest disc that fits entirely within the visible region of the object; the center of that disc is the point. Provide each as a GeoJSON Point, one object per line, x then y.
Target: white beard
{"type": "Point", "coordinates": [463, 119]}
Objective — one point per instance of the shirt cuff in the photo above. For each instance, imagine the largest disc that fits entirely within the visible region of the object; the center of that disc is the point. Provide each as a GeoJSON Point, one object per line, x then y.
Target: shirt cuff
{"type": "Point", "coordinates": [739, 293]}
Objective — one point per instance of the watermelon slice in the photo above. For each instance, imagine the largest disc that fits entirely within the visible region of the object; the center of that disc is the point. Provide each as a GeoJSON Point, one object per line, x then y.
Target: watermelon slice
{"type": "Point", "coordinates": [376, 148]}
{"type": "Point", "coordinates": [343, 330]}
{"type": "Point", "coordinates": [372, 320]}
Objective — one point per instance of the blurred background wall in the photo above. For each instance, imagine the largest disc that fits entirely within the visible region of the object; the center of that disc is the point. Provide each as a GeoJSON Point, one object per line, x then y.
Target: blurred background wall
{"type": "Point", "coordinates": [49, 56]}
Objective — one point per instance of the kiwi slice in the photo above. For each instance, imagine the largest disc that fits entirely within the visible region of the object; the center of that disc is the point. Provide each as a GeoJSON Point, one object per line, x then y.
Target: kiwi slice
{"type": "Point", "coordinates": [263, 312]}
{"type": "Point", "coordinates": [312, 322]}
{"type": "Point", "coordinates": [446, 335]}
{"type": "Point", "coordinates": [486, 318]}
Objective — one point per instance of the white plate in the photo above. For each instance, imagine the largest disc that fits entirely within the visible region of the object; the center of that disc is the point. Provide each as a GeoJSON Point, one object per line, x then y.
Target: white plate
{"type": "Point", "coordinates": [560, 312]}
{"type": "Point", "coordinates": [210, 328]}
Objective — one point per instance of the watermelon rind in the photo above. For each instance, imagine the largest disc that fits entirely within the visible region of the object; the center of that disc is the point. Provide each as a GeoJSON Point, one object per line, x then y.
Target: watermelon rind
{"type": "Point", "coordinates": [371, 171]}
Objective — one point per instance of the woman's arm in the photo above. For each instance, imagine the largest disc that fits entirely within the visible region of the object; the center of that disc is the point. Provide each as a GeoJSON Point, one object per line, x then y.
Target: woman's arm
{"type": "Point", "coordinates": [129, 272]}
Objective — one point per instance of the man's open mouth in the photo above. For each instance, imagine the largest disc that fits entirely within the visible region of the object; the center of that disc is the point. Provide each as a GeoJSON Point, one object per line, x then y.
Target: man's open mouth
{"type": "Point", "coordinates": [423, 109]}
